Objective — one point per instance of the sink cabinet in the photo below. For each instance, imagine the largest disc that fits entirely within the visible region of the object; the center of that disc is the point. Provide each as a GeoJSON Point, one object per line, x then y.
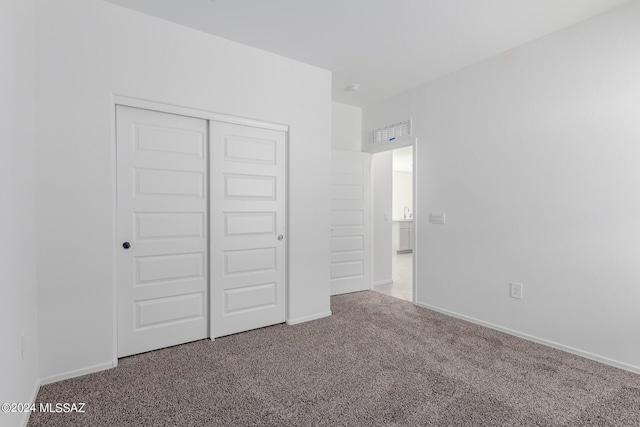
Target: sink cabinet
{"type": "Point", "coordinates": [405, 237]}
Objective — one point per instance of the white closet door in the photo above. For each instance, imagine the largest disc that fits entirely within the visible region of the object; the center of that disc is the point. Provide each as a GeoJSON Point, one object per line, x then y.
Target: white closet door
{"type": "Point", "coordinates": [248, 225]}
{"type": "Point", "coordinates": [162, 219]}
{"type": "Point", "coordinates": [350, 222]}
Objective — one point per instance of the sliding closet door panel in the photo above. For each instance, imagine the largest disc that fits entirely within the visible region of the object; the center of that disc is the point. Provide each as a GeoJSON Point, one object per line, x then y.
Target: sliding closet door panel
{"type": "Point", "coordinates": [162, 213]}
{"type": "Point", "coordinates": [248, 224]}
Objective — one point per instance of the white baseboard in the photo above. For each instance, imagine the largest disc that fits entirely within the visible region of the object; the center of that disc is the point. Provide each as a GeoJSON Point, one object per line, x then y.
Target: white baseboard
{"type": "Point", "coordinates": [79, 372]}
{"type": "Point", "coordinates": [383, 282]}
{"type": "Point", "coordinates": [577, 352]}
{"type": "Point", "coordinates": [34, 395]}
{"type": "Point", "coordinates": [308, 318]}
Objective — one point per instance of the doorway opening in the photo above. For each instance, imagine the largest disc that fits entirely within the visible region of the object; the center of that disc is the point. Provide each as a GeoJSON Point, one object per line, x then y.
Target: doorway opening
{"type": "Point", "coordinates": [393, 222]}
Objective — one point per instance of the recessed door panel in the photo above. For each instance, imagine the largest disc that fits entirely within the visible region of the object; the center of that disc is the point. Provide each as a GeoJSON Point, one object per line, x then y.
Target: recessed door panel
{"type": "Point", "coordinates": [347, 192]}
{"type": "Point", "coordinates": [255, 297]}
{"type": "Point", "coordinates": [348, 269]}
{"type": "Point", "coordinates": [249, 187]}
{"type": "Point", "coordinates": [164, 311]}
{"type": "Point", "coordinates": [249, 150]}
{"type": "Point", "coordinates": [169, 225]}
{"type": "Point", "coordinates": [169, 183]}
{"type": "Point", "coordinates": [250, 261]}
{"type": "Point", "coordinates": [249, 223]}
{"type": "Point", "coordinates": [169, 267]}
{"type": "Point", "coordinates": [345, 244]}
{"type": "Point", "coordinates": [347, 218]}
{"type": "Point", "coordinates": [169, 140]}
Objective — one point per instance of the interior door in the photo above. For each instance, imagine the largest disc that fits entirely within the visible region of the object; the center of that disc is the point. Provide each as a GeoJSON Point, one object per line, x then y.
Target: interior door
{"type": "Point", "coordinates": [350, 222]}
{"type": "Point", "coordinates": [162, 230]}
{"type": "Point", "coordinates": [248, 224]}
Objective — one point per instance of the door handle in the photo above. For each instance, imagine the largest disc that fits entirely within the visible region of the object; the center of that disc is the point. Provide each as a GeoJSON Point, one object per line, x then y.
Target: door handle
{"type": "Point", "coordinates": [126, 245]}
{"type": "Point", "coordinates": [280, 237]}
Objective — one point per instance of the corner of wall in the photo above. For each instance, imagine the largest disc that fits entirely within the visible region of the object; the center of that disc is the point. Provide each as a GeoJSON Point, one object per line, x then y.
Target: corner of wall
{"type": "Point", "coordinates": [18, 305]}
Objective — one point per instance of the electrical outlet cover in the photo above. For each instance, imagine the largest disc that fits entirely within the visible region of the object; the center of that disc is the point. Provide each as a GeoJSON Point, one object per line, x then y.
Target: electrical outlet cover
{"type": "Point", "coordinates": [516, 290]}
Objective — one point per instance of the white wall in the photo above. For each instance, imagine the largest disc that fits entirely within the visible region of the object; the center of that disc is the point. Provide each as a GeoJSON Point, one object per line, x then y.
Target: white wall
{"type": "Point", "coordinates": [346, 127]}
{"type": "Point", "coordinates": [402, 193]}
{"type": "Point", "coordinates": [88, 50]}
{"type": "Point", "coordinates": [18, 303]}
{"type": "Point", "coordinates": [381, 164]}
{"type": "Point", "coordinates": [534, 157]}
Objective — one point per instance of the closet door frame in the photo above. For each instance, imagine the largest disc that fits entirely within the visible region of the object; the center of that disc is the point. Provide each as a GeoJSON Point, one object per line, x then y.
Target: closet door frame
{"type": "Point", "coordinates": [127, 101]}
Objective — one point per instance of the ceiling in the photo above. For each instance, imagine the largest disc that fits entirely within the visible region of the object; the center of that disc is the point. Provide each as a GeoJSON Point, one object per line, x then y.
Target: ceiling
{"type": "Point", "coordinates": [387, 46]}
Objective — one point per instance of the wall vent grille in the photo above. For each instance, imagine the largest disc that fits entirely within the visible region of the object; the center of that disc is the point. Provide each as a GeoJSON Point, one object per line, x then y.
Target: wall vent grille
{"type": "Point", "coordinates": [390, 132]}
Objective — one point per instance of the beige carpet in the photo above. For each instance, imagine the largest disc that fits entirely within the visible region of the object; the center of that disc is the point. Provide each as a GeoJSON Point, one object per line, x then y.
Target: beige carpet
{"type": "Point", "coordinates": [378, 361]}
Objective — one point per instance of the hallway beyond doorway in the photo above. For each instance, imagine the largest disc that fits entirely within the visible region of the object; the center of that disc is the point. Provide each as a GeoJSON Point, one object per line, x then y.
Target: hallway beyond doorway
{"type": "Point", "coordinates": [402, 271]}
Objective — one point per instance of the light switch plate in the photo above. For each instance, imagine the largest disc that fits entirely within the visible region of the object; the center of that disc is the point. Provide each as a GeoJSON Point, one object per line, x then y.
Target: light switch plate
{"type": "Point", "coordinates": [437, 218]}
